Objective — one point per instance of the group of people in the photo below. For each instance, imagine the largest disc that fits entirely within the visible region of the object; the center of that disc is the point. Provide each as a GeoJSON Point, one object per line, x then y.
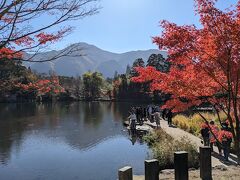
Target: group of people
{"type": "Point", "coordinates": [152, 113]}
{"type": "Point", "coordinates": [140, 114]}
{"type": "Point", "coordinates": [211, 133]}
{"type": "Point", "coordinates": [222, 138]}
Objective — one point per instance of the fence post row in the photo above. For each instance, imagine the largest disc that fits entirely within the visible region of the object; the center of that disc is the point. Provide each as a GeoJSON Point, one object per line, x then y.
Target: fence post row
{"type": "Point", "coordinates": [205, 163]}
{"type": "Point", "coordinates": [181, 165]}
{"type": "Point", "coordinates": [151, 169]}
{"type": "Point", "coordinates": [125, 173]}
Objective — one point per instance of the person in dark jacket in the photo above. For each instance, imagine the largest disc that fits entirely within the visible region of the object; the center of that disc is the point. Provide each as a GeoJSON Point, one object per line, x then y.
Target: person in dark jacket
{"type": "Point", "coordinates": [169, 117]}
{"type": "Point", "coordinates": [225, 137]}
{"type": "Point", "coordinates": [141, 116]}
{"type": "Point", "coordinates": [164, 113]}
{"type": "Point", "coordinates": [205, 133]}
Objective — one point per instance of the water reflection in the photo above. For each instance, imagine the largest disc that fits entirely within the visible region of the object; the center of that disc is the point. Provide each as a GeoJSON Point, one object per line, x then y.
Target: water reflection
{"type": "Point", "coordinates": [30, 133]}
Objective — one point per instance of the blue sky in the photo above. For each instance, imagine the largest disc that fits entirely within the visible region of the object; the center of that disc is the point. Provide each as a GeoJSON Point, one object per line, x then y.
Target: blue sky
{"type": "Point", "coordinates": [125, 25]}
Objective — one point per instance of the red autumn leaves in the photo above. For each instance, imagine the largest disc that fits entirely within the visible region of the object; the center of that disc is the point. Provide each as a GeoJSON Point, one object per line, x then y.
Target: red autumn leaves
{"type": "Point", "coordinates": [204, 61]}
{"type": "Point", "coordinates": [224, 135]}
{"type": "Point", "coordinates": [43, 87]}
{"type": "Point", "coordinates": [9, 53]}
{"type": "Point", "coordinates": [30, 42]}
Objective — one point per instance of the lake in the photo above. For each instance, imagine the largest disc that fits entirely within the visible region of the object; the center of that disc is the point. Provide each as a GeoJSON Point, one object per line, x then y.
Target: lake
{"type": "Point", "coordinates": [82, 140]}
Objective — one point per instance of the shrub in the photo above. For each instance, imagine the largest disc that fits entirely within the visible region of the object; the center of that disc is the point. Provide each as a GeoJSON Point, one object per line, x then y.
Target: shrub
{"type": "Point", "coordinates": [163, 147]}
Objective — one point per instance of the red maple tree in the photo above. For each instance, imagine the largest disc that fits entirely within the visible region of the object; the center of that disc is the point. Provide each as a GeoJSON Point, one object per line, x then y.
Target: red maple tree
{"type": "Point", "coordinates": [43, 87]}
{"type": "Point", "coordinates": [205, 63]}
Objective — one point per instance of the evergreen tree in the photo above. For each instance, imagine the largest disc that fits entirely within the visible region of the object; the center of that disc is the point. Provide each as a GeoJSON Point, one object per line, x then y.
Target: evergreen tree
{"type": "Point", "coordinates": [128, 70]}
{"type": "Point", "coordinates": [115, 75]}
{"type": "Point", "coordinates": [137, 63]}
{"type": "Point", "coordinates": [159, 62]}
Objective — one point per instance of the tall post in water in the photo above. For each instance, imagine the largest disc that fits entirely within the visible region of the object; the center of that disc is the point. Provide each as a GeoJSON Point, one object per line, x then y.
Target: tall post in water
{"type": "Point", "coordinates": [151, 169]}
{"type": "Point", "coordinates": [181, 165]}
{"type": "Point", "coordinates": [205, 163]}
{"type": "Point", "coordinates": [125, 173]}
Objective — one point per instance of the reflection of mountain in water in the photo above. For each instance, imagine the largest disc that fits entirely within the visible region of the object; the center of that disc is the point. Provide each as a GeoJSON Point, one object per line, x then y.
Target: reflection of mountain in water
{"type": "Point", "coordinates": [81, 125]}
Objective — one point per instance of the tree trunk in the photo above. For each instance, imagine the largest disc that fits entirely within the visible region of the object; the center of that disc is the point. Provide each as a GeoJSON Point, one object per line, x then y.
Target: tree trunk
{"type": "Point", "coordinates": [237, 141]}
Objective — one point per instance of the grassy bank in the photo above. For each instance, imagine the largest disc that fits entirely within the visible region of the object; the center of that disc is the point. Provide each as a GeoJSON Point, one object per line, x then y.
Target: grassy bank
{"type": "Point", "coordinates": [163, 147]}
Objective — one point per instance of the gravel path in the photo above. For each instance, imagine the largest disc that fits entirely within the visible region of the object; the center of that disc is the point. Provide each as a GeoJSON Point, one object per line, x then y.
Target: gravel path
{"type": "Point", "coordinates": [179, 133]}
{"type": "Point", "coordinates": [221, 170]}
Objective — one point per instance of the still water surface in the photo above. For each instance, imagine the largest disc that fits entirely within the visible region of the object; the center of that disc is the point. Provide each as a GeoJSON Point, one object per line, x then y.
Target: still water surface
{"type": "Point", "coordinates": [85, 141]}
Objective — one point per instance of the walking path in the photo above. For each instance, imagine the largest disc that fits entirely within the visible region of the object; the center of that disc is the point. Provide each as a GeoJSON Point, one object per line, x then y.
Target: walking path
{"type": "Point", "coordinates": [179, 133]}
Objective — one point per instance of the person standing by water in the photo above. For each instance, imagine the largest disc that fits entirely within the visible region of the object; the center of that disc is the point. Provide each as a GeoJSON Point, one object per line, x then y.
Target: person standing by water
{"type": "Point", "coordinates": [150, 110]}
{"type": "Point", "coordinates": [157, 118]}
{"type": "Point", "coordinates": [213, 135]}
{"type": "Point", "coordinates": [169, 117]}
{"type": "Point", "coordinates": [137, 114]}
{"type": "Point", "coordinates": [132, 119]}
{"type": "Point", "coordinates": [225, 137]}
{"type": "Point", "coordinates": [145, 114]}
{"type": "Point", "coordinates": [205, 133]}
{"type": "Point", "coordinates": [164, 113]}
{"type": "Point", "coordinates": [141, 116]}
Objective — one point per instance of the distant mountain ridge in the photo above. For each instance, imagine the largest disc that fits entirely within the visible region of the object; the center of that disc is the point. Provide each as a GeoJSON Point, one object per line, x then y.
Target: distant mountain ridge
{"type": "Point", "coordinates": [93, 59]}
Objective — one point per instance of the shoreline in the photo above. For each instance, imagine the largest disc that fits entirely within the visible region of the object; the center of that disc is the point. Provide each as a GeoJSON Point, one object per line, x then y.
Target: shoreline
{"type": "Point", "coordinates": [83, 100]}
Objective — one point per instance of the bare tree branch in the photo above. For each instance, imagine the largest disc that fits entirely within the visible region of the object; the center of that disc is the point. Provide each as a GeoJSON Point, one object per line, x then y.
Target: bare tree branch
{"type": "Point", "coordinates": [17, 17]}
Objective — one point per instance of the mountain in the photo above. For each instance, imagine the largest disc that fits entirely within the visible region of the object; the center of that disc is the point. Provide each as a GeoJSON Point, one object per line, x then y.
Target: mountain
{"type": "Point", "coordinates": [92, 59]}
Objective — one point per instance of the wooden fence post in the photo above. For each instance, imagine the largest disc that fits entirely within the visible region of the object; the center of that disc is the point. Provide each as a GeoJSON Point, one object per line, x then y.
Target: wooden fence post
{"type": "Point", "coordinates": [151, 169]}
{"type": "Point", "coordinates": [205, 163]}
{"type": "Point", "coordinates": [181, 165]}
{"type": "Point", "coordinates": [125, 173]}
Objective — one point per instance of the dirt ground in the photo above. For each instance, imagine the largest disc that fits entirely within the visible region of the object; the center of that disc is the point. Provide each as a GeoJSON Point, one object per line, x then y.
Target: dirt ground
{"type": "Point", "coordinates": [231, 173]}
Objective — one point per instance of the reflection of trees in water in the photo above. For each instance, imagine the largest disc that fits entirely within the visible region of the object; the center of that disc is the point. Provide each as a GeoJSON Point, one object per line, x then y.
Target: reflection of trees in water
{"type": "Point", "coordinates": [116, 114]}
{"type": "Point", "coordinates": [80, 124]}
{"type": "Point", "coordinates": [120, 110]}
{"type": "Point", "coordinates": [12, 111]}
{"type": "Point", "coordinates": [16, 119]}
{"type": "Point", "coordinates": [93, 113]}
{"type": "Point", "coordinates": [11, 133]}
{"type": "Point", "coordinates": [12, 126]}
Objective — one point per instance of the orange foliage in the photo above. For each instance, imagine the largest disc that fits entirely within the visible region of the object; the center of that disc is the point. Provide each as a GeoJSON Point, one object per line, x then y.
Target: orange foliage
{"type": "Point", "coordinates": [43, 87]}
{"type": "Point", "coordinates": [29, 42]}
{"type": "Point", "coordinates": [9, 53]}
{"type": "Point", "coordinates": [204, 61]}
{"type": "Point", "coordinates": [224, 135]}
